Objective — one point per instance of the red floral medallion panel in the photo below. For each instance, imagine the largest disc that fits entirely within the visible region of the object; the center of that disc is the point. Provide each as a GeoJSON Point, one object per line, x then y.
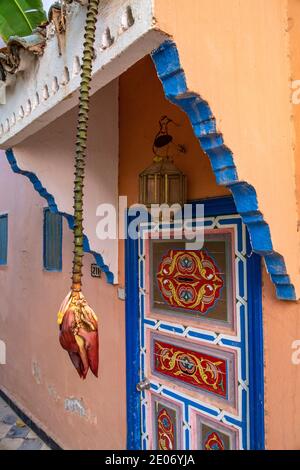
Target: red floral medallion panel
{"type": "Point", "coordinates": [189, 279]}
{"type": "Point", "coordinates": [165, 430]}
{"type": "Point", "coordinates": [214, 442]}
{"type": "Point", "coordinates": [184, 282]}
{"type": "Point", "coordinates": [213, 435]}
{"type": "Point", "coordinates": [200, 370]}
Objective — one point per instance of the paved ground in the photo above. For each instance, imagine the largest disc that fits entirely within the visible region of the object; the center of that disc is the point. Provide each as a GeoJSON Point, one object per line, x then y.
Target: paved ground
{"type": "Point", "coordinates": [14, 434]}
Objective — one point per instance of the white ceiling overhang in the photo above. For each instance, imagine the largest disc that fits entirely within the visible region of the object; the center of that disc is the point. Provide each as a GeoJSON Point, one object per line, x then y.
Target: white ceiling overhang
{"type": "Point", "coordinates": [46, 87]}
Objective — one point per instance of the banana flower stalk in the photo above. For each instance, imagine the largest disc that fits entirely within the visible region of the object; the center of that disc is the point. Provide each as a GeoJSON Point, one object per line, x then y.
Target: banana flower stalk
{"type": "Point", "coordinates": [78, 325]}
{"type": "Point", "coordinates": [79, 333]}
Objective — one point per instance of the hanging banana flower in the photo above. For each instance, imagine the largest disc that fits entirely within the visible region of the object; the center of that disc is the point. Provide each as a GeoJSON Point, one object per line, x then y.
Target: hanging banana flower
{"type": "Point", "coordinates": [78, 324]}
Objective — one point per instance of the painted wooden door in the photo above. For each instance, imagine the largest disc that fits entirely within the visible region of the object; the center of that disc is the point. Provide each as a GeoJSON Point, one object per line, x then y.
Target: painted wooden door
{"type": "Point", "coordinates": [195, 369]}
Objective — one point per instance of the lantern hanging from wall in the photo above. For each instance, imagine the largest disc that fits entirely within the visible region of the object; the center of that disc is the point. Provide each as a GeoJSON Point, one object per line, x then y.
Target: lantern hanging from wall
{"type": "Point", "coordinates": [162, 182]}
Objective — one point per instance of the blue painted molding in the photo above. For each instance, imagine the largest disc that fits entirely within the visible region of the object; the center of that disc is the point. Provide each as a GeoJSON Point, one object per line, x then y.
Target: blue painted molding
{"type": "Point", "coordinates": [215, 205]}
{"type": "Point", "coordinates": [53, 207]}
{"type": "Point", "coordinates": [256, 349]}
{"type": "Point", "coordinates": [169, 70]}
{"type": "Point", "coordinates": [132, 344]}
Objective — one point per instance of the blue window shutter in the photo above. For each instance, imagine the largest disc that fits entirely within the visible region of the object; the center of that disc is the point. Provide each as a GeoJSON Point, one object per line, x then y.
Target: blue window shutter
{"type": "Point", "coordinates": [3, 239]}
{"type": "Point", "coordinates": [52, 241]}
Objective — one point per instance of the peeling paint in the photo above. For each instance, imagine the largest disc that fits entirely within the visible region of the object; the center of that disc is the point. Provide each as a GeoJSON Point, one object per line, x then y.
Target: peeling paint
{"type": "Point", "coordinates": [36, 372]}
{"type": "Point", "coordinates": [53, 393]}
{"type": "Point", "coordinates": [75, 406]}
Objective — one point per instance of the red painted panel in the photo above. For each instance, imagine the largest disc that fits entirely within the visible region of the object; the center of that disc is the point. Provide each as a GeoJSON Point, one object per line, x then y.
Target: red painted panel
{"type": "Point", "coordinates": [189, 279]}
{"type": "Point", "coordinates": [214, 442]}
{"type": "Point", "coordinates": [165, 430]}
{"type": "Point", "coordinates": [192, 367]}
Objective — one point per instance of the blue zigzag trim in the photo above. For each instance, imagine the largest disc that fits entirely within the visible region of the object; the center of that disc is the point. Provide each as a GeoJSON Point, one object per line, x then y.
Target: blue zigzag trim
{"type": "Point", "coordinates": [169, 70]}
{"type": "Point", "coordinates": [53, 207]}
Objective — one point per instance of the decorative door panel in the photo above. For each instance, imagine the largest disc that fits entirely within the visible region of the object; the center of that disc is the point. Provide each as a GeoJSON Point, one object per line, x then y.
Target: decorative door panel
{"type": "Point", "coordinates": [188, 284]}
{"type": "Point", "coordinates": [212, 435]}
{"type": "Point", "coordinates": [200, 370]}
{"type": "Point", "coordinates": [194, 338]}
{"type": "Point", "coordinates": [166, 433]}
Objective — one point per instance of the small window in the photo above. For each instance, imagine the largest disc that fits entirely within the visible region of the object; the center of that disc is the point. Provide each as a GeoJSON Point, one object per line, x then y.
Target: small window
{"type": "Point", "coordinates": [52, 241]}
{"type": "Point", "coordinates": [3, 239]}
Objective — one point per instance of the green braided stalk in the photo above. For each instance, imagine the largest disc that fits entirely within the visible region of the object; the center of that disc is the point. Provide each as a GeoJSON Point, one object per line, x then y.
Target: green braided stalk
{"type": "Point", "coordinates": [81, 142]}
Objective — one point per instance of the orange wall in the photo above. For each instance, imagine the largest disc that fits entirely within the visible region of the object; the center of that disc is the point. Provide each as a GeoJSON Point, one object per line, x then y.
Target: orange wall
{"type": "Point", "coordinates": [294, 34]}
{"type": "Point", "coordinates": [282, 377]}
{"type": "Point", "coordinates": [38, 375]}
{"type": "Point", "coordinates": [236, 55]}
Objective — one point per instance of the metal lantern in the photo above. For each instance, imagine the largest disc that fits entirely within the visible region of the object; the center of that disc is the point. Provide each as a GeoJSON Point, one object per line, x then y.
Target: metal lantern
{"type": "Point", "coordinates": [162, 182]}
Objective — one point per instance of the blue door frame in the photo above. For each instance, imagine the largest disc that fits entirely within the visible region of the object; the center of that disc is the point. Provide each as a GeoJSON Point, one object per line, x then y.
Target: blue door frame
{"type": "Point", "coordinates": [212, 207]}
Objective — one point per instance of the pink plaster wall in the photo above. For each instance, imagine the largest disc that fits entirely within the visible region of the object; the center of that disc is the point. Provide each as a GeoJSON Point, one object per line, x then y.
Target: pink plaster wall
{"type": "Point", "coordinates": [38, 375]}
{"type": "Point", "coordinates": [50, 155]}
